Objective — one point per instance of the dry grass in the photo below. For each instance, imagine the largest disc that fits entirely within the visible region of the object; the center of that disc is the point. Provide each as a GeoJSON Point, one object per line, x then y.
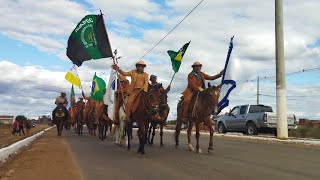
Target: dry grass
{"type": "Point", "coordinates": [7, 139]}
{"type": "Point", "coordinates": [306, 132]}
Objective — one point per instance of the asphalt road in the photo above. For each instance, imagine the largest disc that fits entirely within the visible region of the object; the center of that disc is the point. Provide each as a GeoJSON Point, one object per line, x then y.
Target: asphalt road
{"type": "Point", "coordinates": [231, 159]}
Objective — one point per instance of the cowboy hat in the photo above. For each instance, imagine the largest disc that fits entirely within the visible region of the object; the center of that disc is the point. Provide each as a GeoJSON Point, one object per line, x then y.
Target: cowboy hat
{"type": "Point", "coordinates": [196, 64]}
{"type": "Point", "coordinates": [141, 63]}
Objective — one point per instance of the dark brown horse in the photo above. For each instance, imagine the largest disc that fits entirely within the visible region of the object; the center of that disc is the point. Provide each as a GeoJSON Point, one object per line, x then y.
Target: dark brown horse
{"type": "Point", "coordinates": [202, 106]}
{"type": "Point", "coordinates": [160, 111]}
{"type": "Point", "coordinates": [103, 121]}
{"type": "Point", "coordinates": [59, 117]}
{"type": "Point", "coordinates": [142, 117]}
{"type": "Point", "coordinates": [91, 122]}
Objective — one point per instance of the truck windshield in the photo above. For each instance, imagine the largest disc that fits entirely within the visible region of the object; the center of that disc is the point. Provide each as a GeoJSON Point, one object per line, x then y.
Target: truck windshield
{"type": "Point", "coordinates": [256, 108]}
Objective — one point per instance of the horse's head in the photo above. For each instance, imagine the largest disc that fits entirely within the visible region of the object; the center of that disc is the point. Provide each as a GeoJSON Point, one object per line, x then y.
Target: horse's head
{"type": "Point", "coordinates": [164, 98]}
{"type": "Point", "coordinates": [212, 95]}
{"type": "Point", "coordinates": [60, 112]}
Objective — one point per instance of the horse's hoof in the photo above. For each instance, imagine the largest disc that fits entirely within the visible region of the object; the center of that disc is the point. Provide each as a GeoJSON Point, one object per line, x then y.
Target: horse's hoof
{"type": "Point", "coordinates": [161, 145]}
{"type": "Point", "coordinates": [210, 150]}
{"type": "Point", "coordinates": [191, 148]}
{"type": "Point", "coordinates": [142, 155]}
{"type": "Point", "coordinates": [177, 146]}
{"type": "Point", "coordinates": [199, 151]}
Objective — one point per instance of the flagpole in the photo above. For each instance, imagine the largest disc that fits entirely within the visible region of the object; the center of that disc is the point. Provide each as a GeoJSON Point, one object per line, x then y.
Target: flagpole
{"type": "Point", "coordinates": [172, 79]}
{"type": "Point", "coordinates": [78, 76]}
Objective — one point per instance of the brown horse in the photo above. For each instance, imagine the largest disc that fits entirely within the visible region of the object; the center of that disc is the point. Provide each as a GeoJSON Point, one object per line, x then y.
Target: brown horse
{"type": "Point", "coordinates": [202, 106]}
{"type": "Point", "coordinates": [59, 117]}
{"type": "Point", "coordinates": [103, 121]}
{"type": "Point", "coordinates": [161, 111]}
{"type": "Point", "coordinates": [142, 117]}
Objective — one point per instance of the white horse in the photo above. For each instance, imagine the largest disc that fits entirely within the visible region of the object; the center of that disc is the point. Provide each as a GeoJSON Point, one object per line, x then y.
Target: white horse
{"type": "Point", "coordinates": [120, 128]}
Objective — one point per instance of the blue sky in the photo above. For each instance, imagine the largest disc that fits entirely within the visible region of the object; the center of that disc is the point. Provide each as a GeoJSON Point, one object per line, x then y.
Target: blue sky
{"type": "Point", "coordinates": [35, 44]}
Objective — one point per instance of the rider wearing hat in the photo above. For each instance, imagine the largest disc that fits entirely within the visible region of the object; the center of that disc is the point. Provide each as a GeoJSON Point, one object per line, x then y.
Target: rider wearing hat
{"type": "Point", "coordinates": [155, 86]}
{"type": "Point", "coordinates": [196, 83]}
{"type": "Point", "coordinates": [62, 99]}
{"type": "Point", "coordinates": [139, 82]}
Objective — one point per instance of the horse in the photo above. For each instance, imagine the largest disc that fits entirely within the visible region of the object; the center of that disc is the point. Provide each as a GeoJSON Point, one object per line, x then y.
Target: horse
{"type": "Point", "coordinates": [142, 117]}
{"type": "Point", "coordinates": [59, 117]}
{"type": "Point", "coordinates": [162, 111]}
{"type": "Point", "coordinates": [120, 128]}
{"type": "Point", "coordinates": [72, 116]}
{"type": "Point", "coordinates": [202, 106]}
{"type": "Point", "coordinates": [103, 121]}
{"type": "Point", "coordinates": [91, 123]}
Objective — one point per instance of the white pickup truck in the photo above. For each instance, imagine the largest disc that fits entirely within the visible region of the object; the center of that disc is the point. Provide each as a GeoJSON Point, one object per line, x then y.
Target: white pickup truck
{"type": "Point", "coordinates": [251, 119]}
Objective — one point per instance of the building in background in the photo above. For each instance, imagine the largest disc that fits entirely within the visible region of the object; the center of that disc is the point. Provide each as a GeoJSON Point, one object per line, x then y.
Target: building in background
{"type": "Point", "coordinates": [6, 119]}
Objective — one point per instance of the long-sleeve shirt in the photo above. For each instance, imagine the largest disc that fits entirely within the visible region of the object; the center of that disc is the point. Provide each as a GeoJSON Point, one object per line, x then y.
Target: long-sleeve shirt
{"type": "Point", "coordinates": [139, 80]}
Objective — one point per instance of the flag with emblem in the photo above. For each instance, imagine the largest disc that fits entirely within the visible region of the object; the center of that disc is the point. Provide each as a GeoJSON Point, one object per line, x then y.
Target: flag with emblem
{"type": "Point", "coordinates": [176, 57]}
{"type": "Point", "coordinates": [89, 40]}
{"type": "Point", "coordinates": [72, 97]}
{"type": "Point", "coordinates": [98, 88]}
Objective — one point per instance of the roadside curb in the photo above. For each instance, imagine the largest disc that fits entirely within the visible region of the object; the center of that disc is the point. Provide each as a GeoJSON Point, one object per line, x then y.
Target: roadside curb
{"type": "Point", "coordinates": [6, 152]}
{"type": "Point", "coordinates": [270, 139]}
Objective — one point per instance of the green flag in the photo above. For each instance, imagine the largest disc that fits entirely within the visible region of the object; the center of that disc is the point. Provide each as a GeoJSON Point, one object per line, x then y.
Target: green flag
{"type": "Point", "coordinates": [72, 97]}
{"type": "Point", "coordinates": [89, 40]}
{"type": "Point", "coordinates": [98, 88]}
{"type": "Point", "coordinates": [176, 57]}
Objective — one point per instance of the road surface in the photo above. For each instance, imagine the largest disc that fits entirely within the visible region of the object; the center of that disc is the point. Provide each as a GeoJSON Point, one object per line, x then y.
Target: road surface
{"type": "Point", "coordinates": [232, 159]}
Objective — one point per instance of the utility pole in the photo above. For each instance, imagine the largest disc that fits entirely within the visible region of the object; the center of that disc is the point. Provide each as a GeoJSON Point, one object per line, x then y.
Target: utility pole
{"type": "Point", "coordinates": [258, 91]}
{"type": "Point", "coordinates": [282, 124]}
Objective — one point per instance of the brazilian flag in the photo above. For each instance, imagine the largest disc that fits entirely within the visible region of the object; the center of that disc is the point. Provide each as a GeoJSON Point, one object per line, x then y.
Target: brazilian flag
{"type": "Point", "coordinates": [89, 40]}
{"type": "Point", "coordinates": [98, 88]}
{"type": "Point", "coordinates": [176, 57]}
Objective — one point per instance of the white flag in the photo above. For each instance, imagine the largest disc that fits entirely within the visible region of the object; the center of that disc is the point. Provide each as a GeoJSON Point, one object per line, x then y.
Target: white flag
{"type": "Point", "coordinates": [228, 83]}
{"type": "Point", "coordinates": [108, 97]}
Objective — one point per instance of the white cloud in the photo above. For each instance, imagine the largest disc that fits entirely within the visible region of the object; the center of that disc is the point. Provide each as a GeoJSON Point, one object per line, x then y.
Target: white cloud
{"type": "Point", "coordinates": [209, 28]}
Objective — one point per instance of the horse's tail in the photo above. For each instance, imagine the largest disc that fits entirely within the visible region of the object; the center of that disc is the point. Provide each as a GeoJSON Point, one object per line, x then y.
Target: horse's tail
{"type": "Point", "coordinates": [179, 121]}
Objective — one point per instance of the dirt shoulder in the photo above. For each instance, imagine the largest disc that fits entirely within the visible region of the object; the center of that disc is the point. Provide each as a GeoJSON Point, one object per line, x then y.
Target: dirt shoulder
{"type": "Point", "coordinates": [49, 157]}
{"type": "Point", "coordinates": [7, 139]}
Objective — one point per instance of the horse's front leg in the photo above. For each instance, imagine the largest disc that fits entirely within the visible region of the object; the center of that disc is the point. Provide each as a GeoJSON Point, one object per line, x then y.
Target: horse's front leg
{"type": "Point", "coordinates": [209, 125]}
{"type": "Point", "coordinates": [177, 132]}
{"type": "Point", "coordinates": [153, 132]}
{"type": "Point", "coordinates": [129, 133]}
{"type": "Point", "coordinates": [191, 148]}
{"type": "Point", "coordinates": [198, 136]}
{"type": "Point", "coordinates": [149, 134]}
{"type": "Point", "coordinates": [161, 134]}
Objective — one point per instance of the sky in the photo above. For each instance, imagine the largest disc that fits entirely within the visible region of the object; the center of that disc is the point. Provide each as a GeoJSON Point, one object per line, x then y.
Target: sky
{"type": "Point", "coordinates": [34, 38]}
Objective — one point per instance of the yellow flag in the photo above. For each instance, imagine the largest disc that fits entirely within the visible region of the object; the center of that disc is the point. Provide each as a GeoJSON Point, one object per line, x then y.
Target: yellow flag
{"type": "Point", "coordinates": [73, 77]}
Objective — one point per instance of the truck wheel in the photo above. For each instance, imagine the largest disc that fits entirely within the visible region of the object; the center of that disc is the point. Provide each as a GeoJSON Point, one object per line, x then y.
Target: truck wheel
{"type": "Point", "coordinates": [221, 128]}
{"type": "Point", "coordinates": [252, 129]}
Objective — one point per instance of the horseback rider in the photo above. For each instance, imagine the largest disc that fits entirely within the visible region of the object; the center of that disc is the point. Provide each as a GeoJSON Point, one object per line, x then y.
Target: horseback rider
{"type": "Point", "coordinates": [196, 83]}
{"type": "Point", "coordinates": [62, 99]}
{"type": "Point", "coordinates": [157, 87]}
{"type": "Point", "coordinates": [89, 105]}
{"type": "Point", "coordinates": [122, 90]}
{"type": "Point", "coordinates": [139, 83]}
{"type": "Point", "coordinates": [155, 91]}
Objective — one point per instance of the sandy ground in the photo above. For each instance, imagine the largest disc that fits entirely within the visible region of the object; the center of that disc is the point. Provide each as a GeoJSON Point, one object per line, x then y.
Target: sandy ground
{"type": "Point", "coordinates": [7, 139]}
{"type": "Point", "coordinates": [47, 158]}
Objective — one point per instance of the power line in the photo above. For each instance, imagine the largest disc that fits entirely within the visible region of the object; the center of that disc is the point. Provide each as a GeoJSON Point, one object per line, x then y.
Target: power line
{"type": "Point", "coordinates": [271, 77]}
{"type": "Point", "coordinates": [168, 33]}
